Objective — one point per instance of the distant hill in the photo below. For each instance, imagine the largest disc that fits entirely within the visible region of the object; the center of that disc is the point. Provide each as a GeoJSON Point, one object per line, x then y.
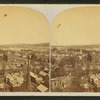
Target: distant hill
{"type": "Point", "coordinates": [25, 45]}
{"type": "Point", "coordinates": [41, 44]}
{"type": "Point", "coordinates": [79, 46]}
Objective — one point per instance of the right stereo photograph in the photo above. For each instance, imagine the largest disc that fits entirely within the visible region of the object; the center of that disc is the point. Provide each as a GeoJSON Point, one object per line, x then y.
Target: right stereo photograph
{"type": "Point", "coordinates": [75, 50]}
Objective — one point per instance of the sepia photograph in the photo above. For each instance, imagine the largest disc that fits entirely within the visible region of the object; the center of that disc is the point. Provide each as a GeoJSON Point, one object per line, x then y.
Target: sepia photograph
{"type": "Point", "coordinates": [75, 50]}
{"type": "Point", "coordinates": [49, 50]}
{"type": "Point", "coordinates": [24, 50]}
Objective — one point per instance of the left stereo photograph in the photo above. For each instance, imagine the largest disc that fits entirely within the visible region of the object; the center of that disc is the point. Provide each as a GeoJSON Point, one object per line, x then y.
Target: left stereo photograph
{"type": "Point", "coordinates": [24, 50]}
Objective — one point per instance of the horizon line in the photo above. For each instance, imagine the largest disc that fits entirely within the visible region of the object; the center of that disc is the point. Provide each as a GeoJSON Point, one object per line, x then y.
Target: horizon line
{"type": "Point", "coordinates": [25, 43]}
{"type": "Point", "coordinates": [76, 45]}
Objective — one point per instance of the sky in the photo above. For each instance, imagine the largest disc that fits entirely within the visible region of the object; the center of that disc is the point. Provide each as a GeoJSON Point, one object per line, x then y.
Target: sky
{"type": "Point", "coordinates": [76, 26]}
{"type": "Point", "coordinates": [56, 23]}
{"type": "Point", "coordinates": [50, 10]}
{"type": "Point", "coordinates": [22, 25]}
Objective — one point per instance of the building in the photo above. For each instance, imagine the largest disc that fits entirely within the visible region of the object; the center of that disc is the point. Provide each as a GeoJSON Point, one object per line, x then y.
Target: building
{"type": "Point", "coordinates": [42, 88]}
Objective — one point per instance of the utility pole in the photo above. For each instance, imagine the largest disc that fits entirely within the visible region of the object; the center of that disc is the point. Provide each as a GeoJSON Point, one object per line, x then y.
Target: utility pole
{"type": "Point", "coordinates": [28, 79]}
{"type": "Point", "coordinates": [5, 61]}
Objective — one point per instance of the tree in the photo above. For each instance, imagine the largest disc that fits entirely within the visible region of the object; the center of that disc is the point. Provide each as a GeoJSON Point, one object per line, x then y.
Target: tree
{"type": "Point", "coordinates": [53, 60]}
{"type": "Point", "coordinates": [89, 57]}
{"type": "Point", "coordinates": [5, 57]}
{"type": "Point", "coordinates": [33, 57]}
